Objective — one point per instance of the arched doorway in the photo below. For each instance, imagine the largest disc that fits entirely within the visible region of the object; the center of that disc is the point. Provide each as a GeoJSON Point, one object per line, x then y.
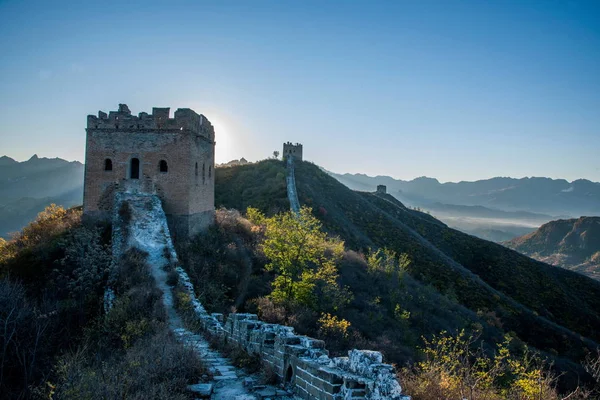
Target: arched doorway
{"type": "Point", "coordinates": [289, 375]}
{"type": "Point", "coordinates": [134, 170]}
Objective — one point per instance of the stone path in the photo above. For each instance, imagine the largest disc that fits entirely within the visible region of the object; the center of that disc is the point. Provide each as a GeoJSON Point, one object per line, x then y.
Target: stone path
{"type": "Point", "coordinates": [291, 186]}
{"type": "Point", "coordinates": [149, 233]}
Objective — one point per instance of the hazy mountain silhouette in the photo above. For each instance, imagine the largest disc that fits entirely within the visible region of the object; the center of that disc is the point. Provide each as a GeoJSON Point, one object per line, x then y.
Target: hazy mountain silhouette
{"type": "Point", "coordinates": [27, 187]}
{"type": "Point", "coordinates": [537, 195]}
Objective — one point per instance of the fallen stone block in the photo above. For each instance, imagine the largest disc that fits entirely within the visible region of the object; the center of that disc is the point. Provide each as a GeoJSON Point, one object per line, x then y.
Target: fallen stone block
{"type": "Point", "coordinates": [204, 390]}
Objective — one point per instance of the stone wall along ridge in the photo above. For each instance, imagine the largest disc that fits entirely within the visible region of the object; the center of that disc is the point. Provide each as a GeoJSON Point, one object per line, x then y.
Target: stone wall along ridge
{"type": "Point", "coordinates": [291, 186]}
{"type": "Point", "coordinates": [301, 362]}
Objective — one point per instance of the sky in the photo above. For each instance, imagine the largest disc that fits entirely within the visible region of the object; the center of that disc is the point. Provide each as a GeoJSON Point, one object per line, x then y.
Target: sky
{"type": "Point", "coordinates": [456, 90]}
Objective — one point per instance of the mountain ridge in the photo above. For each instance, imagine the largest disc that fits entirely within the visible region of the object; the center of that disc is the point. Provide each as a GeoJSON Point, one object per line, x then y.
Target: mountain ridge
{"type": "Point", "coordinates": [557, 197]}
{"type": "Point", "coordinates": [573, 244]}
{"type": "Point", "coordinates": [533, 299]}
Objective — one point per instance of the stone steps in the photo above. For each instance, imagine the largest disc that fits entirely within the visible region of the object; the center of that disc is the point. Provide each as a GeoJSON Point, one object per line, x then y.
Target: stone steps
{"type": "Point", "coordinates": [149, 232]}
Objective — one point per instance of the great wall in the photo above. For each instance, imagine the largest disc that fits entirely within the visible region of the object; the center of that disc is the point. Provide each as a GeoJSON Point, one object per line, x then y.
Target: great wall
{"type": "Point", "coordinates": [301, 364]}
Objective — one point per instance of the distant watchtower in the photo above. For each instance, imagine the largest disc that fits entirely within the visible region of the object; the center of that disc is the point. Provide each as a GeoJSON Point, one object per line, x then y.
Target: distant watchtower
{"type": "Point", "coordinates": [152, 153]}
{"type": "Point", "coordinates": [293, 150]}
{"type": "Point", "coordinates": [382, 189]}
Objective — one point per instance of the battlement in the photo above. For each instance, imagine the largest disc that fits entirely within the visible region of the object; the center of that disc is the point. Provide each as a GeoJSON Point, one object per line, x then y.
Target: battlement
{"type": "Point", "coordinates": [184, 119]}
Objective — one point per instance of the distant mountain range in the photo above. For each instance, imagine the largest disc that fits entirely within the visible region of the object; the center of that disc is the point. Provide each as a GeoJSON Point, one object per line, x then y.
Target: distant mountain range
{"type": "Point", "coordinates": [27, 187]}
{"type": "Point", "coordinates": [496, 209]}
{"type": "Point", "coordinates": [537, 195]}
{"type": "Point", "coordinates": [573, 244]}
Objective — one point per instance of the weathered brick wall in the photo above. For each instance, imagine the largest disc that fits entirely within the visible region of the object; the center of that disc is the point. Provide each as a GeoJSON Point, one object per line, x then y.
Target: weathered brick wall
{"type": "Point", "coordinates": [185, 143]}
{"type": "Point", "coordinates": [301, 361]}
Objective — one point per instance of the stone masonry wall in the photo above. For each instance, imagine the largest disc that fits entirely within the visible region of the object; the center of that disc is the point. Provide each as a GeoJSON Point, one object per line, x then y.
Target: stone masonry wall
{"type": "Point", "coordinates": [300, 361]}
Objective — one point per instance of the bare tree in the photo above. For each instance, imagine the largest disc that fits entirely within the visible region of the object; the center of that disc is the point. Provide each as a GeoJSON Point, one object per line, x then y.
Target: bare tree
{"type": "Point", "coordinates": [592, 366]}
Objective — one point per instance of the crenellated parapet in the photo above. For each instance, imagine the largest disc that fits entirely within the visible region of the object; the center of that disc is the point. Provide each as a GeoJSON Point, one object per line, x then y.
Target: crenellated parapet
{"type": "Point", "coordinates": [184, 120]}
{"type": "Point", "coordinates": [301, 363]}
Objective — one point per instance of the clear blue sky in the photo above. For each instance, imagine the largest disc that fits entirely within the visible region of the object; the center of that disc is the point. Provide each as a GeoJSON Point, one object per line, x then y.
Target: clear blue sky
{"type": "Point", "coordinates": [457, 90]}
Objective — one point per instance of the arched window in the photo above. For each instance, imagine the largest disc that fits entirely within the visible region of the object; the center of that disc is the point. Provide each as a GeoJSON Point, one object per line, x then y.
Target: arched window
{"type": "Point", "coordinates": [134, 170]}
{"type": "Point", "coordinates": [203, 172]}
{"type": "Point", "coordinates": [209, 171]}
{"type": "Point", "coordinates": [196, 169]}
{"type": "Point", "coordinates": [108, 164]}
{"type": "Point", "coordinates": [162, 166]}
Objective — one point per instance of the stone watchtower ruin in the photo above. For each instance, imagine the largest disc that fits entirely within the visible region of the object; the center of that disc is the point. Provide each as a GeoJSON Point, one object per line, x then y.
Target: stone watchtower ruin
{"type": "Point", "coordinates": [293, 150]}
{"type": "Point", "coordinates": [173, 158]}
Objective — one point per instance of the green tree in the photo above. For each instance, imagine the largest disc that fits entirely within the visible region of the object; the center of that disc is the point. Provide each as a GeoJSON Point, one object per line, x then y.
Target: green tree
{"type": "Point", "coordinates": [303, 258]}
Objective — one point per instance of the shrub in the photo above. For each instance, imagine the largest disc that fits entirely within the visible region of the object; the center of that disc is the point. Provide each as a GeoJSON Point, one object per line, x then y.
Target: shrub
{"type": "Point", "coordinates": [130, 352]}
{"type": "Point", "coordinates": [330, 325]}
{"type": "Point", "coordinates": [457, 367]}
{"type": "Point", "coordinates": [53, 220]}
{"type": "Point", "coordinates": [157, 366]}
{"type": "Point", "coordinates": [22, 338]}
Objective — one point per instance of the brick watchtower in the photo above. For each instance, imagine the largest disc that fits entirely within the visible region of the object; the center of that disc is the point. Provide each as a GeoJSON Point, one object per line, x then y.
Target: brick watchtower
{"type": "Point", "coordinates": [152, 153]}
{"type": "Point", "coordinates": [292, 150]}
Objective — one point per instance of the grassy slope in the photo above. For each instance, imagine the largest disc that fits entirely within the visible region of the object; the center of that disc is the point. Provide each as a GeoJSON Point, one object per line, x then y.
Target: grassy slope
{"type": "Point", "coordinates": [371, 312]}
{"type": "Point", "coordinates": [551, 309]}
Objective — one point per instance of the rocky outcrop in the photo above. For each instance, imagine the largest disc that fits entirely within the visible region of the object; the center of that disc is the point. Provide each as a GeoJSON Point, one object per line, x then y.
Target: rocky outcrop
{"type": "Point", "coordinates": [573, 244]}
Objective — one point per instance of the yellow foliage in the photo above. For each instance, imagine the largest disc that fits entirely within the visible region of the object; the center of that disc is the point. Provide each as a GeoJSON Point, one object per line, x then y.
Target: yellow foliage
{"type": "Point", "coordinates": [6, 251]}
{"type": "Point", "coordinates": [255, 216]}
{"type": "Point", "coordinates": [332, 325]}
{"type": "Point", "coordinates": [184, 301]}
{"type": "Point", "coordinates": [455, 367]}
{"type": "Point", "coordinates": [400, 314]}
{"type": "Point", "coordinates": [134, 330]}
{"type": "Point", "coordinates": [48, 223]}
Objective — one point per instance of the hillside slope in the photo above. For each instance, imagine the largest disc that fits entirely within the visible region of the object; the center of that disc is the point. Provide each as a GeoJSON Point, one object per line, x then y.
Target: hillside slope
{"type": "Point", "coordinates": [549, 308]}
{"type": "Point", "coordinates": [573, 244]}
{"type": "Point", "coordinates": [27, 187]}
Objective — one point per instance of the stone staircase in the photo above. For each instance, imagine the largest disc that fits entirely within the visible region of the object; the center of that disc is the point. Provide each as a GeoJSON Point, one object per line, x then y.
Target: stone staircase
{"type": "Point", "coordinates": [145, 228]}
